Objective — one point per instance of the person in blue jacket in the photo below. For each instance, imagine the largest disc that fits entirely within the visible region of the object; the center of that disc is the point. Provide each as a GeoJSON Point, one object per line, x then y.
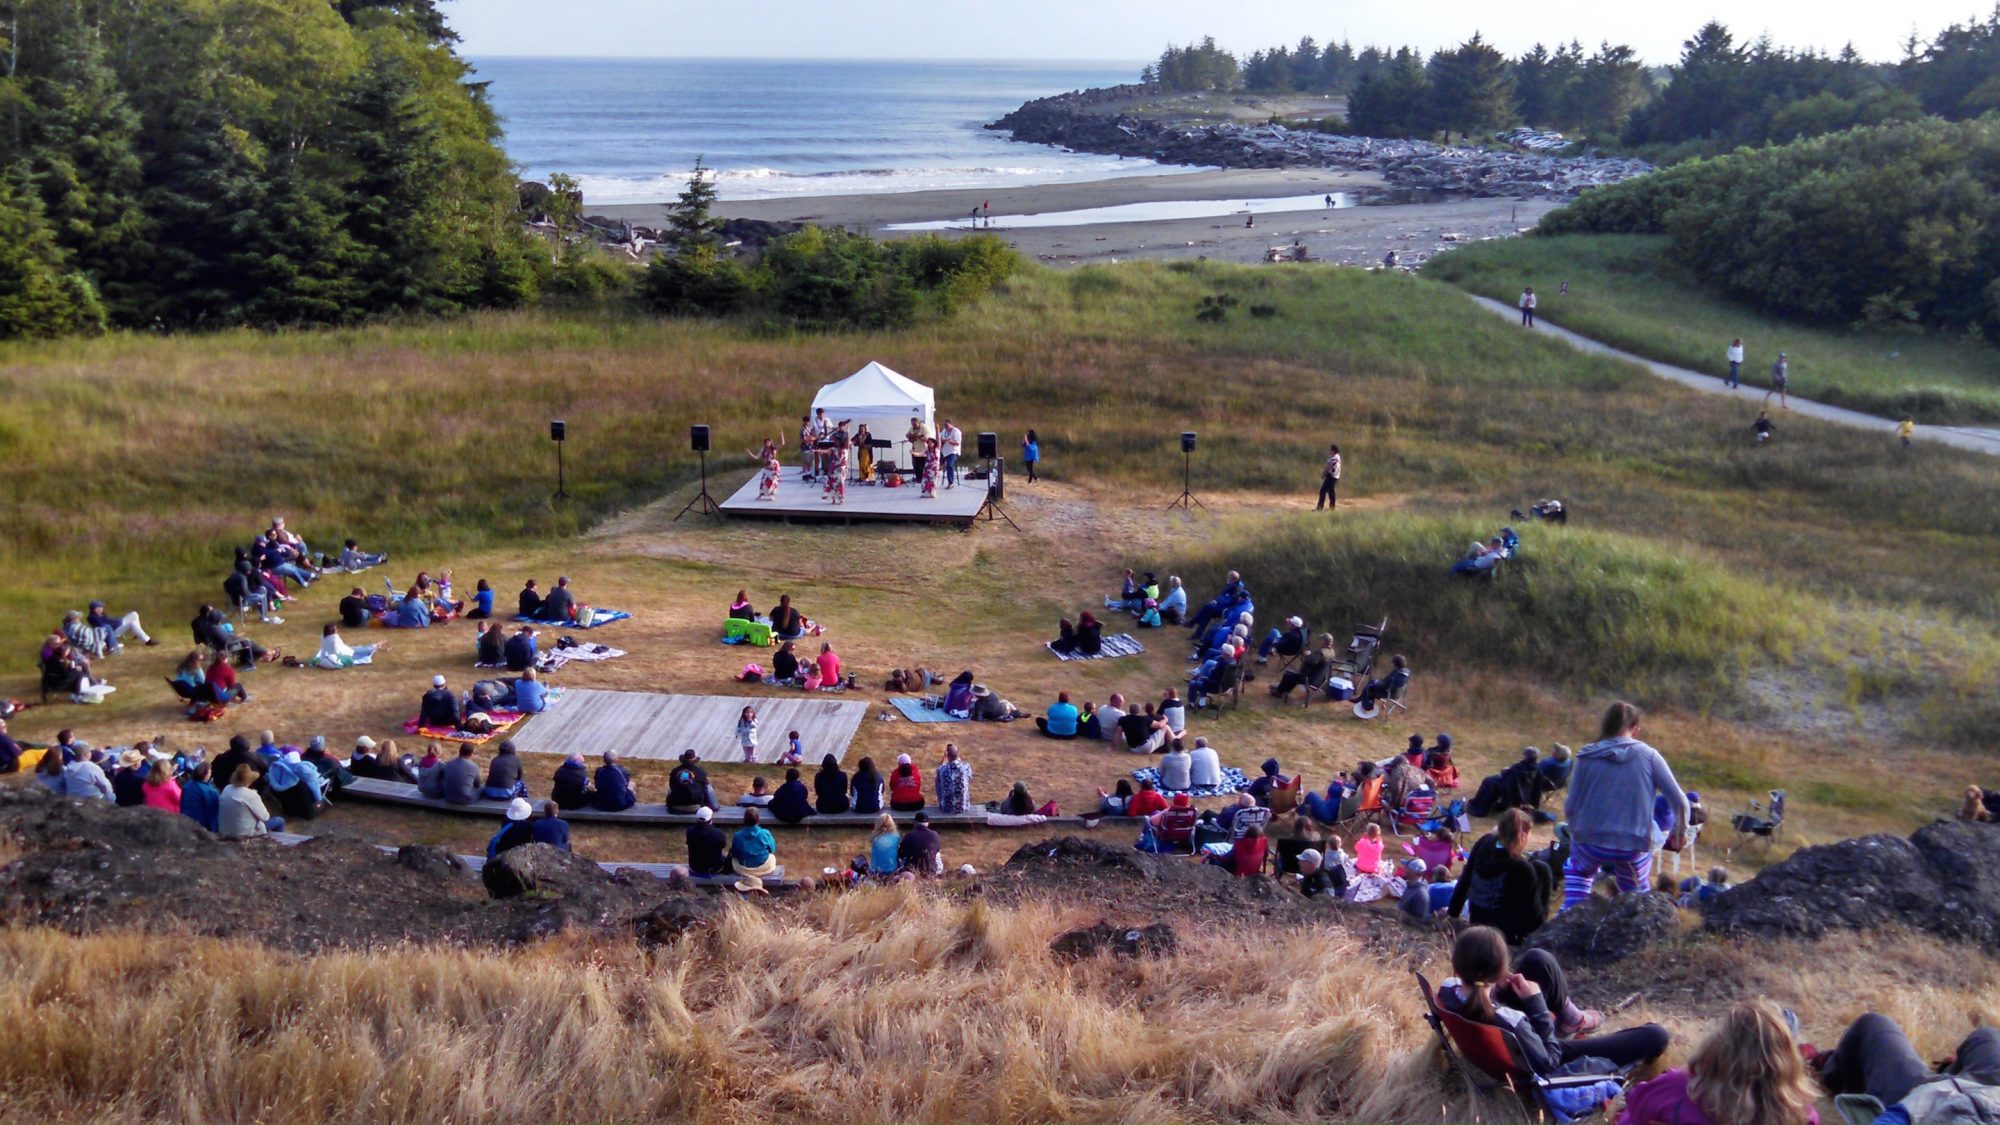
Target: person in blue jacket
{"type": "Point", "coordinates": [199, 800]}
{"type": "Point", "coordinates": [614, 786]}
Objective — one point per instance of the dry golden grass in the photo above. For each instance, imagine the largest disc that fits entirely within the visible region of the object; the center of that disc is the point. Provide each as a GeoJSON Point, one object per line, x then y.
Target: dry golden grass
{"type": "Point", "coordinates": [881, 1005]}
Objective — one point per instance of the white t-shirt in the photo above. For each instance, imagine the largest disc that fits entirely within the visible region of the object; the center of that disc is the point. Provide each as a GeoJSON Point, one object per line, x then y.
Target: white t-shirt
{"type": "Point", "coordinates": [1527, 300]}
{"type": "Point", "coordinates": [1107, 720]}
{"type": "Point", "coordinates": [1174, 771]}
{"type": "Point", "coordinates": [949, 439]}
{"type": "Point", "coordinates": [1736, 353]}
{"type": "Point", "coordinates": [1176, 717]}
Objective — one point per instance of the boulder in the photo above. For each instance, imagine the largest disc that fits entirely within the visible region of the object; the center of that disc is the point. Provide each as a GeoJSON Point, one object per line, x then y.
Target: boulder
{"type": "Point", "coordinates": [539, 869]}
{"type": "Point", "coordinates": [425, 859]}
{"type": "Point", "coordinates": [1156, 940]}
{"type": "Point", "coordinates": [1943, 880]}
{"type": "Point", "coordinates": [1603, 930]}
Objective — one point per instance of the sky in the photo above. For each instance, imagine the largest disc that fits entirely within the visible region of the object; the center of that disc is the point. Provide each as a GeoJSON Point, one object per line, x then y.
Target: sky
{"type": "Point", "coordinates": [1137, 29]}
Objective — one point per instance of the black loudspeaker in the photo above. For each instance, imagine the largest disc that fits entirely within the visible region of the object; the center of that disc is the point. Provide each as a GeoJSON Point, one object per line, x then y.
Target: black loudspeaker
{"type": "Point", "coordinates": [1187, 441]}
{"type": "Point", "coordinates": [698, 438]}
{"type": "Point", "coordinates": [557, 430]}
{"type": "Point", "coordinates": [989, 445]}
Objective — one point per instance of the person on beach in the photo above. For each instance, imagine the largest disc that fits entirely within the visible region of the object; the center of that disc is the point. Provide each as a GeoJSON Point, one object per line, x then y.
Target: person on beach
{"type": "Point", "coordinates": [1780, 374]}
{"type": "Point", "coordinates": [1528, 307]}
{"type": "Point", "coordinates": [1329, 479]}
{"type": "Point", "coordinates": [1031, 453]}
{"type": "Point", "coordinates": [1735, 363]}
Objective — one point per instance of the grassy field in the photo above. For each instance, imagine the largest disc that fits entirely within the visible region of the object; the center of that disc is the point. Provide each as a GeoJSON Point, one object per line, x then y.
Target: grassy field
{"type": "Point", "coordinates": [1623, 291]}
{"type": "Point", "coordinates": [1814, 615]}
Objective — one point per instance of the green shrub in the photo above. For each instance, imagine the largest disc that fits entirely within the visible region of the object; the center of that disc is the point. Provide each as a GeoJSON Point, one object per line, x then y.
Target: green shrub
{"type": "Point", "coordinates": [590, 274]}
{"type": "Point", "coordinates": [819, 278]}
{"type": "Point", "coordinates": [699, 282]}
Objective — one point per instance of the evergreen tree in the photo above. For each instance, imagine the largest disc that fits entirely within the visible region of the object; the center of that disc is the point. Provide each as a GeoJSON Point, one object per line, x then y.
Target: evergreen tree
{"type": "Point", "coordinates": [1394, 101]}
{"type": "Point", "coordinates": [40, 295]}
{"type": "Point", "coordinates": [689, 219]}
{"type": "Point", "coordinates": [1472, 90]}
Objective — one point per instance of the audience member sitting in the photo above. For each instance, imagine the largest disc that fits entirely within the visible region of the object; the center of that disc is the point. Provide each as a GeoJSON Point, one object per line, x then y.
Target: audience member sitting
{"type": "Point", "coordinates": [1204, 766]}
{"type": "Point", "coordinates": [1061, 719]}
{"type": "Point", "coordinates": [1130, 594]}
{"type": "Point", "coordinates": [708, 848]}
{"type": "Point", "coordinates": [354, 609]}
{"type": "Point", "coordinates": [1176, 769]}
{"type": "Point", "coordinates": [1748, 1068]}
{"type": "Point", "coordinates": [758, 796]}
{"type": "Point", "coordinates": [1089, 635]}
{"type": "Point", "coordinates": [785, 665]}
{"type": "Point", "coordinates": [829, 667]}
{"type": "Point", "coordinates": [515, 830]}
{"type": "Point", "coordinates": [954, 782]}
{"type": "Point", "coordinates": [1550, 510]}
{"type": "Point", "coordinates": [830, 787]}
{"type": "Point", "coordinates": [1146, 801]}
{"type": "Point", "coordinates": [504, 776]}
{"type": "Point", "coordinates": [335, 653]}
{"type": "Point", "coordinates": [614, 786]}
{"type": "Point", "coordinates": [199, 800]}
{"type": "Point", "coordinates": [787, 623]}
{"type": "Point", "coordinates": [906, 786]}
{"type": "Point", "coordinates": [128, 779]}
{"type": "Point", "coordinates": [1115, 802]}
{"type": "Point", "coordinates": [459, 778]}
{"type": "Point", "coordinates": [1102, 722]}
{"type": "Point", "coordinates": [688, 788]}
{"type": "Point", "coordinates": [439, 707]}
{"type": "Point", "coordinates": [560, 605]}
{"type": "Point", "coordinates": [1173, 827]}
{"type": "Point", "coordinates": [1312, 671]}
{"type": "Point", "coordinates": [482, 608]}
{"type": "Point", "coordinates": [1232, 589]}
{"type": "Point", "coordinates": [1173, 607]}
{"type": "Point", "coordinates": [240, 812]}
{"type": "Point", "coordinates": [1438, 765]}
{"type": "Point", "coordinates": [1531, 999]}
{"type": "Point", "coordinates": [958, 694]}
{"type": "Point", "coordinates": [884, 847]}
{"type": "Point", "coordinates": [1291, 642]}
{"type": "Point", "coordinates": [1875, 1058]}
{"type": "Point", "coordinates": [1556, 768]}
{"type": "Point", "coordinates": [570, 788]}
{"type": "Point", "coordinates": [1268, 779]}
{"type": "Point", "coordinates": [1503, 887]}
{"type": "Point", "coordinates": [550, 828]}
{"type": "Point", "coordinates": [1521, 785]}
{"type": "Point", "coordinates": [1482, 559]}
{"type": "Point", "coordinates": [1246, 856]}
{"type": "Point", "coordinates": [1220, 678]}
{"type": "Point", "coordinates": [10, 751]}
{"type": "Point", "coordinates": [531, 696]}
{"type": "Point", "coordinates": [920, 851]}
{"type": "Point", "coordinates": [1304, 835]}
{"type": "Point", "coordinates": [1319, 877]}
{"type": "Point", "coordinates": [114, 627]}
{"type": "Point", "coordinates": [866, 787]}
{"type": "Point", "coordinates": [1144, 732]}
{"type": "Point", "coordinates": [1173, 712]}
{"type": "Point", "coordinates": [1388, 686]}
{"type": "Point", "coordinates": [413, 612]}
{"type": "Point", "coordinates": [66, 671]}
{"type": "Point", "coordinates": [519, 651]}
{"type": "Point", "coordinates": [530, 605]}
{"type": "Point", "coordinates": [1403, 780]}
{"type": "Point", "coordinates": [752, 851]}
{"type": "Point", "coordinates": [353, 558]}
{"type": "Point", "coordinates": [1018, 802]}
{"type": "Point", "coordinates": [1699, 892]}
{"type": "Point", "coordinates": [740, 608]}
{"type": "Point", "coordinates": [988, 707]}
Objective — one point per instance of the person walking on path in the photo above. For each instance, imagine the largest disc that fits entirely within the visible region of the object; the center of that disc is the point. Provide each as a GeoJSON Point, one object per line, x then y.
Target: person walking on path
{"type": "Point", "coordinates": [1906, 431]}
{"type": "Point", "coordinates": [1735, 363]}
{"type": "Point", "coordinates": [1528, 307]}
{"type": "Point", "coordinates": [1780, 374]}
{"type": "Point", "coordinates": [1329, 479]}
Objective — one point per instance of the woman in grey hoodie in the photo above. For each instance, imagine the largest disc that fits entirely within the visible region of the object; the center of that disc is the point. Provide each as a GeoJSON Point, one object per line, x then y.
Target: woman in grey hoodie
{"type": "Point", "coordinates": [1610, 808]}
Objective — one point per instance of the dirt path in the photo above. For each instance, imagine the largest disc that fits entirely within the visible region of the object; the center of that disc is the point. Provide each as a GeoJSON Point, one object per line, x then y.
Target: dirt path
{"type": "Point", "coordinates": [1959, 437]}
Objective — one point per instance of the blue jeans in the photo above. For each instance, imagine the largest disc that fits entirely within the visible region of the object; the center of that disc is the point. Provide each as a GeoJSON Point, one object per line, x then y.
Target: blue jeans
{"type": "Point", "coordinates": [1270, 643]}
{"type": "Point", "coordinates": [495, 793]}
{"type": "Point", "coordinates": [293, 572]}
{"type": "Point", "coordinates": [1325, 809]}
{"type": "Point", "coordinates": [951, 468]}
{"type": "Point", "coordinates": [1734, 367]}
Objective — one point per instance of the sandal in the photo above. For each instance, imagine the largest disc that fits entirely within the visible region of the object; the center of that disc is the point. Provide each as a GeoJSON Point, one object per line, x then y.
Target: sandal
{"type": "Point", "coordinates": [1587, 1021]}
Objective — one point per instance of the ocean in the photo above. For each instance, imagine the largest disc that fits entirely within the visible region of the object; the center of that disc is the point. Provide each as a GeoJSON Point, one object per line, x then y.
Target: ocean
{"type": "Point", "coordinates": [629, 129]}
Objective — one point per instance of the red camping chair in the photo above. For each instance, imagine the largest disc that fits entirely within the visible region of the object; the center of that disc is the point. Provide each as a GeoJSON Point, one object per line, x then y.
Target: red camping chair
{"type": "Point", "coordinates": [1488, 1057]}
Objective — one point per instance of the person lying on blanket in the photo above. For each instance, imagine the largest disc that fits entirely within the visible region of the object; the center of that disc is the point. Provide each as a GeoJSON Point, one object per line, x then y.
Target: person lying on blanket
{"type": "Point", "coordinates": [335, 653]}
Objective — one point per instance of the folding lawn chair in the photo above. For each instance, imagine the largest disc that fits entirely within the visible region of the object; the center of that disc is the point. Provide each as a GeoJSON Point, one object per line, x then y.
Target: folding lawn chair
{"type": "Point", "coordinates": [1490, 1059]}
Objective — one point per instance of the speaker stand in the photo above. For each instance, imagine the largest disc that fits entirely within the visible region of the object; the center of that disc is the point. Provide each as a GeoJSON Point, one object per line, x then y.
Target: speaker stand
{"type": "Point", "coordinates": [561, 492]}
{"type": "Point", "coordinates": [1186, 501]}
{"type": "Point", "coordinates": [708, 506]}
{"type": "Point", "coordinates": [989, 511]}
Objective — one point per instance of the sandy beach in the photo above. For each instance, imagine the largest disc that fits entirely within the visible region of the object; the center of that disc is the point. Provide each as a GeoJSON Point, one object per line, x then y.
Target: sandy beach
{"type": "Point", "coordinates": [1358, 235]}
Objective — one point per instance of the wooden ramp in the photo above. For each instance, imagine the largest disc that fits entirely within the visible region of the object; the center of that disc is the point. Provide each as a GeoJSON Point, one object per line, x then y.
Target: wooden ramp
{"type": "Point", "coordinates": [477, 863]}
{"type": "Point", "coordinates": [800, 502]}
{"type": "Point", "coordinates": [641, 724]}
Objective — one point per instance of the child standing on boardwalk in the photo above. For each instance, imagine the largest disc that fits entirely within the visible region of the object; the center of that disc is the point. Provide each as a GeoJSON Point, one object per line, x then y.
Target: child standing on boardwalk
{"type": "Point", "coordinates": [746, 733]}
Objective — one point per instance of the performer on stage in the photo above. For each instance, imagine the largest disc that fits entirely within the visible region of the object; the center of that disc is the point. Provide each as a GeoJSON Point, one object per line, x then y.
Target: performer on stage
{"type": "Point", "coordinates": [836, 466]}
{"type": "Point", "coordinates": [808, 457]}
{"type": "Point", "coordinates": [931, 467]}
{"type": "Point", "coordinates": [767, 485]}
{"type": "Point", "coordinates": [864, 453]}
{"type": "Point", "coordinates": [916, 439]}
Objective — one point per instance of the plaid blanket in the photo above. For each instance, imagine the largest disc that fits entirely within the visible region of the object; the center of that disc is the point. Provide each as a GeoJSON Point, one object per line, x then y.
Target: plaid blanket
{"type": "Point", "coordinates": [1233, 781]}
{"type": "Point", "coordinates": [1118, 644]}
{"type": "Point", "coordinates": [598, 619]}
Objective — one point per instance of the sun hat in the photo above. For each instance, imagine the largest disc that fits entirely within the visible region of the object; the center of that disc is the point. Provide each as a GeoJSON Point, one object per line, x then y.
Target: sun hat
{"type": "Point", "coordinates": [1296, 622]}
{"type": "Point", "coordinates": [750, 884]}
{"type": "Point", "coordinates": [980, 691]}
{"type": "Point", "coordinates": [437, 681]}
{"type": "Point", "coordinates": [704, 814]}
{"type": "Point", "coordinates": [519, 809]}
{"type": "Point", "coordinates": [364, 743]}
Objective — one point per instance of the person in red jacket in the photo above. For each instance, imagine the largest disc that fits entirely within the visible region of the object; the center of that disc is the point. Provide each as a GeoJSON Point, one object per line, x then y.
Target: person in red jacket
{"type": "Point", "coordinates": [1246, 856]}
{"type": "Point", "coordinates": [1146, 801]}
{"type": "Point", "coordinates": [906, 786]}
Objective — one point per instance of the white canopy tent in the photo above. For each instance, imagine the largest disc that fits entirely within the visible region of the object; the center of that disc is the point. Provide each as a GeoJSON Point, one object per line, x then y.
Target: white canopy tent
{"type": "Point", "coordinates": [886, 401]}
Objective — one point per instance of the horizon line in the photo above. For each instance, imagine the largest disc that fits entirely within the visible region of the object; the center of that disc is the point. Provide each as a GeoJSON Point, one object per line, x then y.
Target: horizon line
{"type": "Point", "coordinates": [1057, 60]}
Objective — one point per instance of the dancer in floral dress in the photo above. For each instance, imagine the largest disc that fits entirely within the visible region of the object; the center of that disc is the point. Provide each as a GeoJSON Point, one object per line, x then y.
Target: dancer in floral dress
{"type": "Point", "coordinates": [932, 467]}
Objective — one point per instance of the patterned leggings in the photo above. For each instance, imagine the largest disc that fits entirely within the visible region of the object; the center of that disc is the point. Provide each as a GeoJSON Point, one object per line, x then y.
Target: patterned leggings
{"type": "Point", "coordinates": [1633, 870]}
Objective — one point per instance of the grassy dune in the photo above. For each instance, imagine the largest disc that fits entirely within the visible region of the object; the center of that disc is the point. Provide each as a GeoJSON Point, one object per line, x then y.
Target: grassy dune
{"type": "Point", "coordinates": [1625, 292]}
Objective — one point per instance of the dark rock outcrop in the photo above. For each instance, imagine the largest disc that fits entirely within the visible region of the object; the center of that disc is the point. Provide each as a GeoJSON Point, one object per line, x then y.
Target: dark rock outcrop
{"type": "Point", "coordinates": [1604, 930]}
{"type": "Point", "coordinates": [1156, 940]}
{"type": "Point", "coordinates": [428, 859]}
{"type": "Point", "coordinates": [540, 870]}
{"type": "Point", "coordinates": [1943, 880]}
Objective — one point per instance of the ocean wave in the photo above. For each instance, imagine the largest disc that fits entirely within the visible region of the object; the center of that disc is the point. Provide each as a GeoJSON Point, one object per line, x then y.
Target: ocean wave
{"type": "Point", "coordinates": [775, 183]}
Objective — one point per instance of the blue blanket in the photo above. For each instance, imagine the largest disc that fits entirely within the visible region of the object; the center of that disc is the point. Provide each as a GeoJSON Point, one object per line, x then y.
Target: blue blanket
{"type": "Point", "coordinates": [600, 618]}
{"type": "Point", "coordinates": [915, 711]}
{"type": "Point", "coordinates": [1118, 644]}
{"type": "Point", "coordinates": [1233, 781]}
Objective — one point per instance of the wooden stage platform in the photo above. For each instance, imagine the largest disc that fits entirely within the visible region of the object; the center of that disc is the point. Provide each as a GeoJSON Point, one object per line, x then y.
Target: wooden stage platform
{"type": "Point", "coordinates": [800, 502]}
{"type": "Point", "coordinates": [641, 724]}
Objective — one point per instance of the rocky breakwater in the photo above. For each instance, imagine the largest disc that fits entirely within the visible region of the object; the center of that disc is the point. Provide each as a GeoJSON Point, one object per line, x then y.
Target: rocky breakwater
{"type": "Point", "coordinates": [1087, 121]}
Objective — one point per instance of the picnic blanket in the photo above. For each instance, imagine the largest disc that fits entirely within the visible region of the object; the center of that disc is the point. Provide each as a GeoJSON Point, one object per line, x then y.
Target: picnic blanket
{"type": "Point", "coordinates": [501, 721]}
{"type": "Point", "coordinates": [555, 658]}
{"type": "Point", "coordinates": [597, 618]}
{"type": "Point", "coordinates": [919, 711]}
{"type": "Point", "coordinates": [1233, 781]}
{"type": "Point", "coordinates": [1118, 644]}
